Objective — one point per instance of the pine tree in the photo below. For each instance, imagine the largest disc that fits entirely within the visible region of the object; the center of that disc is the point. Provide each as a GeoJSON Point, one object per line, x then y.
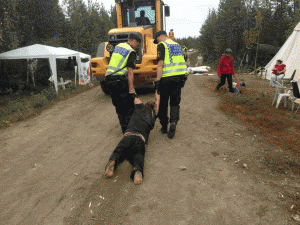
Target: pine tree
{"type": "Point", "coordinates": [40, 20]}
{"type": "Point", "coordinates": [113, 16]}
{"type": "Point", "coordinates": [9, 36]}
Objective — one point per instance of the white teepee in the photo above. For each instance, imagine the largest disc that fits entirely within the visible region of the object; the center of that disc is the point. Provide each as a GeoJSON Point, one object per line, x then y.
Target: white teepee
{"type": "Point", "coordinates": [289, 53]}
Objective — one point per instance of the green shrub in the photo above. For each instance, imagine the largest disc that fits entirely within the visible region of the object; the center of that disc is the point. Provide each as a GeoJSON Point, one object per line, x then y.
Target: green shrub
{"type": "Point", "coordinates": [72, 87]}
{"type": "Point", "coordinates": [38, 101]}
{"type": "Point", "coordinates": [50, 93]}
{"type": "Point", "coordinates": [13, 107]}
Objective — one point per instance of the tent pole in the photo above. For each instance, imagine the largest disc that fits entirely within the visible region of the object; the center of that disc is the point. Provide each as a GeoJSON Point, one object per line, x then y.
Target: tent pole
{"type": "Point", "coordinates": [32, 76]}
{"type": "Point", "coordinates": [76, 68]}
{"type": "Point", "coordinates": [79, 67]}
{"type": "Point", "coordinates": [27, 70]}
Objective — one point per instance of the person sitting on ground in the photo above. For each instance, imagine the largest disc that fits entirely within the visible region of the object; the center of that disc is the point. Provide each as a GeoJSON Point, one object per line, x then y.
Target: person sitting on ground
{"type": "Point", "coordinates": [134, 142]}
{"type": "Point", "coordinates": [142, 20]}
{"type": "Point", "coordinates": [278, 71]}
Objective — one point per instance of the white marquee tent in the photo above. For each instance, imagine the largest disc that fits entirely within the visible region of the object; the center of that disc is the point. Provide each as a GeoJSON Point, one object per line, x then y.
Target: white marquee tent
{"type": "Point", "coordinates": [84, 65]}
{"type": "Point", "coordinates": [43, 51]}
{"type": "Point", "coordinates": [289, 54]}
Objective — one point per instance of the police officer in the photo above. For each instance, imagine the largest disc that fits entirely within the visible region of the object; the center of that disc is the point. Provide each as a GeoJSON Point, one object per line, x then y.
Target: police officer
{"type": "Point", "coordinates": [171, 76]}
{"type": "Point", "coordinates": [119, 79]}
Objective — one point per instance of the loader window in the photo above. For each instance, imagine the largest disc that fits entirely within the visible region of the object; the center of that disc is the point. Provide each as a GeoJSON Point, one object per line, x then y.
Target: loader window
{"type": "Point", "coordinates": [147, 13]}
{"type": "Point", "coordinates": [141, 13]}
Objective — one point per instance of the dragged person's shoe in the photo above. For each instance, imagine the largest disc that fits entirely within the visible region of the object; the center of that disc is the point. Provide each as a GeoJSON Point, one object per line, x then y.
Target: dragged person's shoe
{"type": "Point", "coordinates": [172, 130]}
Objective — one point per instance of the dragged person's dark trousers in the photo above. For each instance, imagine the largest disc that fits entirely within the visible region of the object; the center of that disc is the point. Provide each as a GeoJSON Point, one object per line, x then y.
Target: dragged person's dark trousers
{"type": "Point", "coordinates": [131, 148]}
{"type": "Point", "coordinates": [223, 78]}
{"type": "Point", "coordinates": [170, 90]}
{"type": "Point", "coordinates": [121, 99]}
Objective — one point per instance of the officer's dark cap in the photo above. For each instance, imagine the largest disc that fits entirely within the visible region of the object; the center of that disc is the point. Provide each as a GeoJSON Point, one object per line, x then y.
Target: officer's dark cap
{"type": "Point", "coordinates": [157, 34]}
{"type": "Point", "coordinates": [135, 37]}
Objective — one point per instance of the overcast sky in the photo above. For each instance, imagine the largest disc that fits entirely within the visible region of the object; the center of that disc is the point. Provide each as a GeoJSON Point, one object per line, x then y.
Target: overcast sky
{"type": "Point", "coordinates": [186, 16]}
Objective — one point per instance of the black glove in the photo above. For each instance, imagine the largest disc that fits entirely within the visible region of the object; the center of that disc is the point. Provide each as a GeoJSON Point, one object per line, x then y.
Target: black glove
{"type": "Point", "coordinates": [156, 84]}
{"type": "Point", "coordinates": [230, 74]}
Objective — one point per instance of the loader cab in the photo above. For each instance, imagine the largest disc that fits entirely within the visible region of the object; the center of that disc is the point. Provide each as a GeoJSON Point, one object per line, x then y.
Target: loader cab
{"type": "Point", "coordinates": [134, 13]}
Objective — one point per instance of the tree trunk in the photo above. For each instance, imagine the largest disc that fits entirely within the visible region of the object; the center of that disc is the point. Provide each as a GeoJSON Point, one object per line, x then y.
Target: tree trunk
{"type": "Point", "coordinates": [257, 48]}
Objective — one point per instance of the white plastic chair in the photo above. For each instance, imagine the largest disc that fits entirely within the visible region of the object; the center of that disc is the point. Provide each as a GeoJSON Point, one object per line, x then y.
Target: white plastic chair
{"type": "Point", "coordinates": [277, 80]}
{"type": "Point", "coordinates": [297, 101]}
{"type": "Point", "coordinates": [278, 86]}
{"type": "Point", "coordinates": [285, 95]}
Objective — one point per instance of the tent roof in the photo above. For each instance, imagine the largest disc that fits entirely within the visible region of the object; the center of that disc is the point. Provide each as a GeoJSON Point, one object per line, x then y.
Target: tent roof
{"type": "Point", "coordinates": [37, 51]}
{"type": "Point", "coordinates": [82, 55]}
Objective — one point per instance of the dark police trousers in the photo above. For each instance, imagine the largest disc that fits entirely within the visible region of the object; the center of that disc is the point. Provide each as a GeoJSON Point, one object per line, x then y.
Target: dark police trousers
{"type": "Point", "coordinates": [170, 89]}
{"type": "Point", "coordinates": [131, 148]}
{"type": "Point", "coordinates": [121, 99]}
{"type": "Point", "coordinates": [223, 78]}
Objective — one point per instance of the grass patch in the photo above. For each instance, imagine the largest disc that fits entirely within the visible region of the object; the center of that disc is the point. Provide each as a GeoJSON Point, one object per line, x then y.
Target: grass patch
{"type": "Point", "coordinates": [253, 106]}
{"type": "Point", "coordinates": [20, 106]}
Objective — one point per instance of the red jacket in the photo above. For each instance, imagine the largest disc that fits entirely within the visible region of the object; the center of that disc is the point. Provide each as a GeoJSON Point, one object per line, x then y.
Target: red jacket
{"type": "Point", "coordinates": [279, 68]}
{"type": "Point", "coordinates": [226, 65]}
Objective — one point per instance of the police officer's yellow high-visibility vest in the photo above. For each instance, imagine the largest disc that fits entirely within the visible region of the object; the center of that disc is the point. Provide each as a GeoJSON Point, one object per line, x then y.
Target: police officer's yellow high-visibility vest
{"type": "Point", "coordinates": [119, 59]}
{"type": "Point", "coordinates": [185, 49]}
{"type": "Point", "coordinates": [174, 63]}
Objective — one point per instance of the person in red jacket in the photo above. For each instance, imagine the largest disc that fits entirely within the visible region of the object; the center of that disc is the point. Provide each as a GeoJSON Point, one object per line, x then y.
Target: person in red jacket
{"type": "Point", "coordinates": [226, 70]}
{"type": "Point", "coordinates": [278, 71]}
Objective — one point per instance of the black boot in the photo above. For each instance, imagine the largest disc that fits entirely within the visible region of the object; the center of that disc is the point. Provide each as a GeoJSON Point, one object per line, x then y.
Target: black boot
{"type": "Point", "coordinates": [172, 130]}
{"type": "Point", "coordinates": [164, 129]}
{"type": "Point", "coordinates": [124, 129]}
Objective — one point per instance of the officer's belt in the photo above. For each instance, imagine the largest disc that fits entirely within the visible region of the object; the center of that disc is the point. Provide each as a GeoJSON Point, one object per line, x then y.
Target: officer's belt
{"type": "Point", "coordinates": [134, 134]}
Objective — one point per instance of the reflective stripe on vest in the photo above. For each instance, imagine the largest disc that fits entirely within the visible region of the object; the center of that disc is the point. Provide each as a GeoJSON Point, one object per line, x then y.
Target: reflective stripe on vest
{"type": "Point", "coordinates": [119, 59]}
{"type": "Point", "coordinates": [174, 63]}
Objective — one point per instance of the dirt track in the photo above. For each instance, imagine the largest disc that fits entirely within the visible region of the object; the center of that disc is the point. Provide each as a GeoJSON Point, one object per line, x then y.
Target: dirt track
{"type": "Point", "coordinates": [52, 165]}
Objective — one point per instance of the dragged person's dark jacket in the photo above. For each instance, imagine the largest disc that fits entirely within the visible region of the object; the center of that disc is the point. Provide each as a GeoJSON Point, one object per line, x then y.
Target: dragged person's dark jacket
{"type": "Point", "coordinates": [142, 121]}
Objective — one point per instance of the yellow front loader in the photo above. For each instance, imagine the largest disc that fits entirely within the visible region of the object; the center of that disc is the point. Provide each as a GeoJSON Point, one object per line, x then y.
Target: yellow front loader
{"type": "Point", "coordinates": [129, 13]}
